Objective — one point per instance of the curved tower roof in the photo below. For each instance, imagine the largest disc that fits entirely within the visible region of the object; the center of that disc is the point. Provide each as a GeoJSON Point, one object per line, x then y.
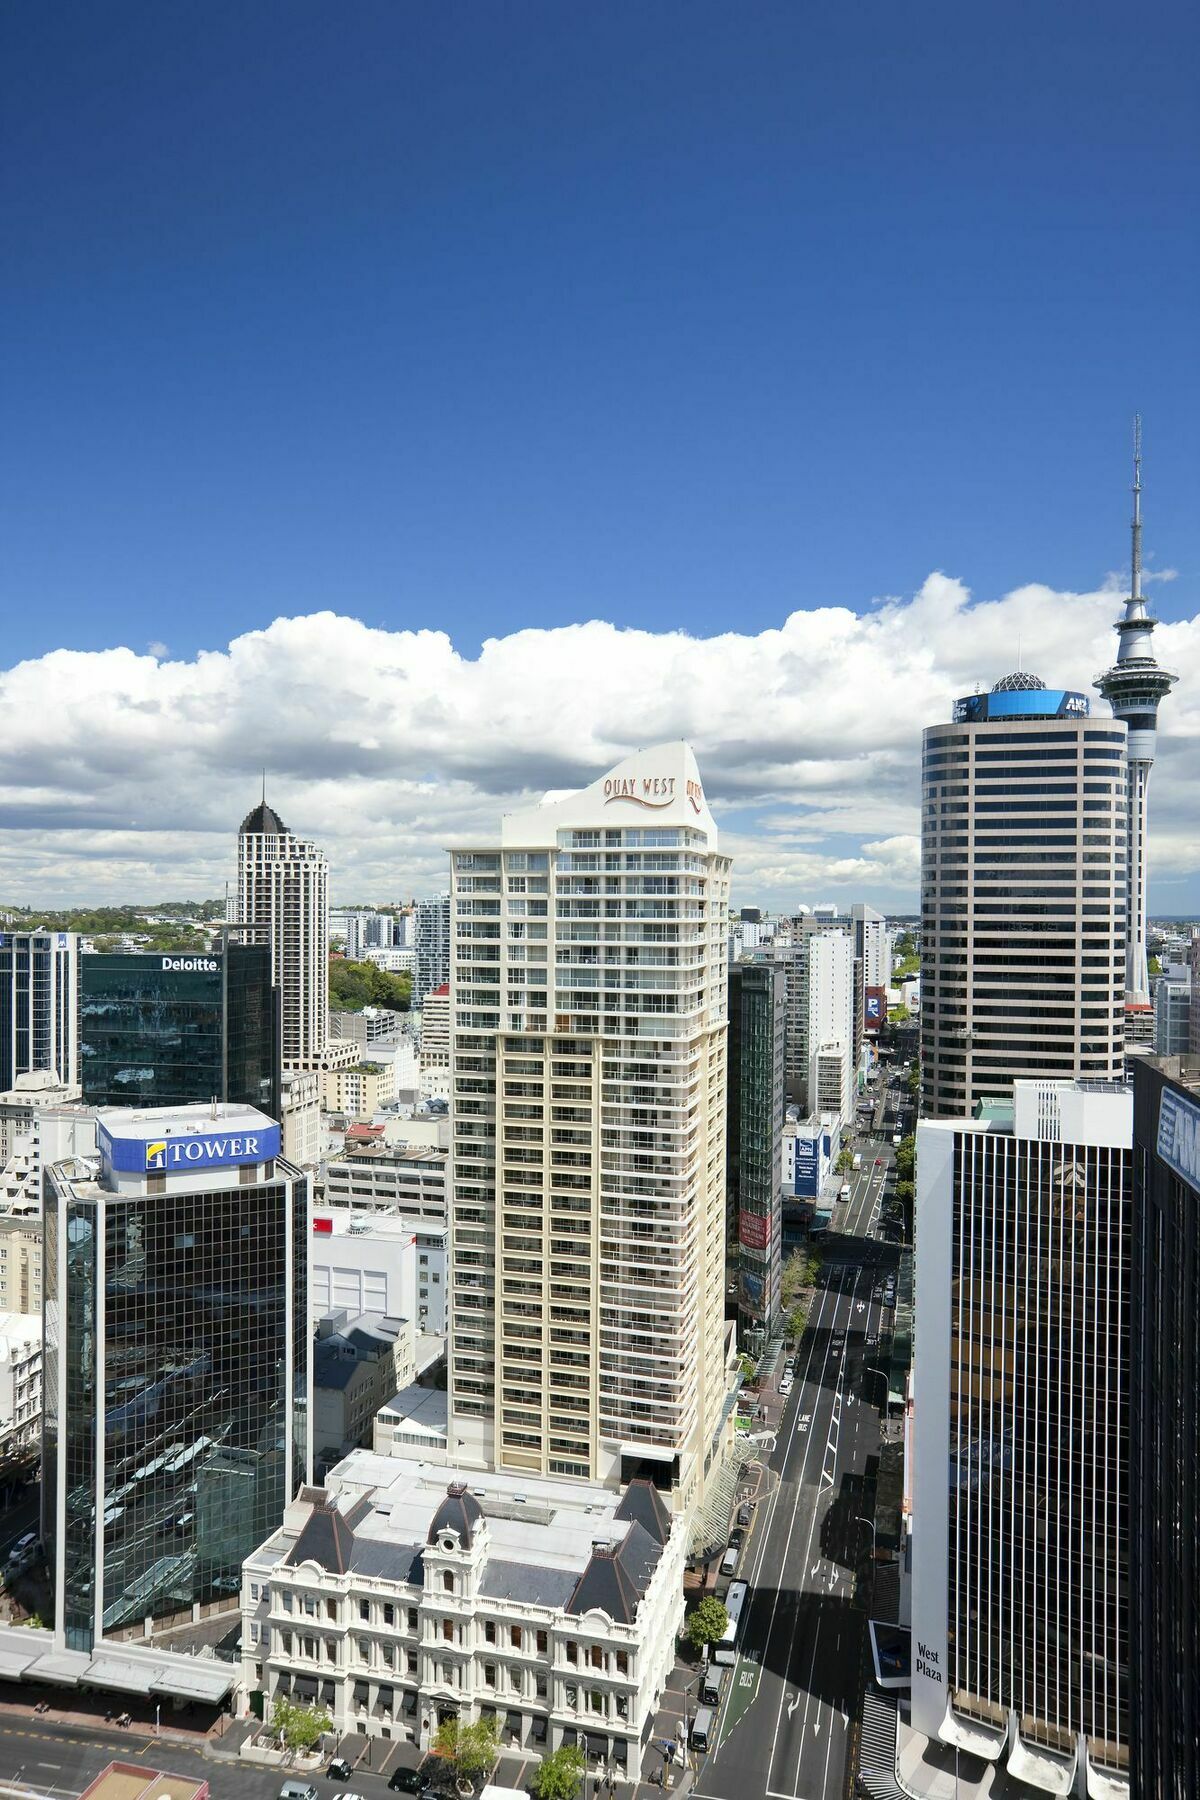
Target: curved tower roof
{"type": "Point", "coordinates": [263, 821]}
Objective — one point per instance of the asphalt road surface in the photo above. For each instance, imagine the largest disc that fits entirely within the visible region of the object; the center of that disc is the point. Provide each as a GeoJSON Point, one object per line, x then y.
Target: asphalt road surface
{"type": "Point", "coordinates": [786, 1727]}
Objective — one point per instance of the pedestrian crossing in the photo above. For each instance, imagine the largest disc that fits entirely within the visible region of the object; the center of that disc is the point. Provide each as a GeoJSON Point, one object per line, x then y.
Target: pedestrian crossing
{"type": "Point", "coordinates": [877, 1748]}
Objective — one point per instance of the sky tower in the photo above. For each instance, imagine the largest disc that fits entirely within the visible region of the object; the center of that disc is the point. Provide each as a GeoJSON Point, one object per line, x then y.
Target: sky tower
{"type": "Point", "coordinates": [1133, 687]}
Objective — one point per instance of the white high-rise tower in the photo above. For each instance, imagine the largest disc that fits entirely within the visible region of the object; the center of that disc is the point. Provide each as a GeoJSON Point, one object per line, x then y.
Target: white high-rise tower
{"type": "Point", "coordinates": [283, 886]}
{"type": "Point", "coordinates": [1133, 687]}
{"type": "Point", "coordinates": [588, 993]}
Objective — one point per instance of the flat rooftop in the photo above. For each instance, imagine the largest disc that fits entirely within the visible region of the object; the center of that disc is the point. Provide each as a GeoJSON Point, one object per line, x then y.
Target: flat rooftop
{"type": "Point", "coordinates": [150, 1122]}
{"type": "Point", "coordinates": [131, 1781]}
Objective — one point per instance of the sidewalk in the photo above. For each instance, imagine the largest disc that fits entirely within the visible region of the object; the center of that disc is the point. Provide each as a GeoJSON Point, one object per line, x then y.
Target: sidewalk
{"type": "Point", "coordinates": [69, 1713]}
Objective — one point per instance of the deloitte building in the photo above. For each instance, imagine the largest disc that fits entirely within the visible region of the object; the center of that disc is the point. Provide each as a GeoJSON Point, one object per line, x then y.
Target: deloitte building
{"type": "Point", "coordinates": [159, 1030]}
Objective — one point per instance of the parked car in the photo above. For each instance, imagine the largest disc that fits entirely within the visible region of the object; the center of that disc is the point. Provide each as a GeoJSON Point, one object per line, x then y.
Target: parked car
{"type": "Point", "coordinates": [339, 1769]}
{"type": "Point", "coordinates": [743, 1514]}
{"type": "Point", "coordinates": [735, 1539]}
{"type": "Point", "coordinates": [408, 1781]}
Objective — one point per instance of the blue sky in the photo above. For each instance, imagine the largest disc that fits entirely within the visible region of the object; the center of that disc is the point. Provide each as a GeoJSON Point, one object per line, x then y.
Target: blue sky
{"type": "Point", "coordinates": [495, 318]}
{"type": "Point", "coordinates": [497, 315]}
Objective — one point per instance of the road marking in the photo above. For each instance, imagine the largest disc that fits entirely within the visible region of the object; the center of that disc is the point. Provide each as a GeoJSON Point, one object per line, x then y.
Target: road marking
{"type": "Point", "coordinates": [794, 1704]}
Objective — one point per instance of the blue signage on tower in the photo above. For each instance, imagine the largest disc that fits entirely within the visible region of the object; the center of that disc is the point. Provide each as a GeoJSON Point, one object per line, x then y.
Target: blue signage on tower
{"type": "Point", "coordinates": [190, 1151]}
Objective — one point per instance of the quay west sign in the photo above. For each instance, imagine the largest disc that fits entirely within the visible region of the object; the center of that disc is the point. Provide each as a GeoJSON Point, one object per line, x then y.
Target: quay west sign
{"type": "Point", "coordinates": [653, 791]}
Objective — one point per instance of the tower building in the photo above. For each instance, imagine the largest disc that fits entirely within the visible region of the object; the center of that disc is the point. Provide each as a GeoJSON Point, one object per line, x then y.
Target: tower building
{"type": "Point", "coordinates": [755, 1144]}
{"type": "Point", "coordinates": [1021, 1410]}
{"type": "Point", "coordinates": [432, 942]}
{"type": "Point", "coordinates": [283, 887]}
{"type": "Point", "coordinates": [176, 1368]}
{"type": "Point", "coordinates": [39, 1005]}
{"type": "Point", "coordinates": [588, 1061]}
{"type": "Point", "coordinates": [180, 1030]}
{"type": "Point", "coordinates": [1133, 687]}
{"type": "Point", "coordinates": [1023, 837]}
{"type": "Point", "coordinates": [1165, 1340]}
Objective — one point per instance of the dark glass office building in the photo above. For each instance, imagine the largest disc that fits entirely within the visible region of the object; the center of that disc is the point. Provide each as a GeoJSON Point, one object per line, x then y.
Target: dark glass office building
{"type": "Point", "coordinates": [176, 1363]}
{"type": "Point", "coordinates": [178, 1030]}
{"type": "Point", "coordinates": [754, 1141]}
{"type": "Point", "coordinates": [1165, 1413]}
{"type": "Point", "coordinates": [39, 1004]}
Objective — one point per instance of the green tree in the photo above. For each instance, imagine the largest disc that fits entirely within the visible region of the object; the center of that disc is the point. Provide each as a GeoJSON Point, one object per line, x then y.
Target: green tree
{"type": "Point", "coordinates": [468, 1751]}
{"type": "Point", "coordinates": [353, 985]}
{"type": "Point", "coordinates": [298, 1727]}
{"type": "Point", "coordinates": [706, 1623]}
{"type": "Point", "coordinates": [914, 1078]}
{"type": "Point", "coordinates": [906, 1158]}
{"type": "Point", "coordinates": [845, 1162]}
{"type": "Point", "coordinates": [561, 1774]}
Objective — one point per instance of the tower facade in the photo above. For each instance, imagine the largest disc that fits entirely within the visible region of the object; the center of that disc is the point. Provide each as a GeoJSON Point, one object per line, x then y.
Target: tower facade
{"type": "Point", "coordinates": [177, 1361]}
{"type": "Point", "coordinates": [1133, 687]}
{"type": "Point", "coordinates": [588, 1062]}
{"type": "Point", "coordinates": [283, 887]}
{"type": "Point", "coordinates": [1021, 1410]}
{"type": "Point", "coordinates": [39, 1005]}
{"type": "Point", "coordinates": [1023, 847]}
{"type": "Point", "coordinates": [755, 1143]}
{"type": "Point", "coordinates": [431, 935]}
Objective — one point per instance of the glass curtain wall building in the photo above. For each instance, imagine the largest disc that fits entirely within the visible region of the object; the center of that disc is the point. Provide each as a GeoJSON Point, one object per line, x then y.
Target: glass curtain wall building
{"type": "Point", "coordinates": [1021, 1407]}
{"type": "Point", "coordinates": [39, 1005]}
{"type": "Point", "coordinates": [176, 1363]}
{"type": "Point", "coordinates": [1165, 1553]}
{"type": "Point", "coordinates": [754, 1138]}
{"type": "Point", "coordinates": [178, 1030]}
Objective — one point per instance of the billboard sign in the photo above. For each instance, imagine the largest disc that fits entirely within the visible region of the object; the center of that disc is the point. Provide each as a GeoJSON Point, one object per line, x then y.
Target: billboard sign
{"type": "Point", "coordinates": [1179, 1136]}
{"type": "Point", "coordinates": [754, 1230]}
{"type": "Point", "coordinates": [1022, 703]}
{"type": "Point", "coordinates": [807, 1167]}
{"type": "Point", "coordinates": [875, 1008]}
{"type": "Point", "coordinates": [189, 1152]}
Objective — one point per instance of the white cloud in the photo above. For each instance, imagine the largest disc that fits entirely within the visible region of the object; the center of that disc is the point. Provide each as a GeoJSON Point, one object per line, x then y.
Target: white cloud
{"type": "Point", "coordinates": [125, 775]}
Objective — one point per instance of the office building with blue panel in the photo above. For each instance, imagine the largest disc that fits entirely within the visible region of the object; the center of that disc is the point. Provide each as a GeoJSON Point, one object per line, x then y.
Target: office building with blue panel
{"type": "Point", "coordinates": [176, 1365]}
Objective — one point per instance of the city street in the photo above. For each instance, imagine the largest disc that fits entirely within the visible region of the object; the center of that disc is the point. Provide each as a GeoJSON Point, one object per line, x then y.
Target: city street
{"type": "Point", "coordinates": [786, 1724]}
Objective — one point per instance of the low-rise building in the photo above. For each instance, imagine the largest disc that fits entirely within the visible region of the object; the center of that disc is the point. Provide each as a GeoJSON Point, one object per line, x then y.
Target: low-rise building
{"type": "Point", "coordinates": [359, 1362]}
{"type": "Point", "coordinates": [398, 1600]}
{"type": "Point", "coordinates": [379, 1262]}
{"type": "Point", "coordinates": [300, 1117]}
{"type": "Point", "coordinates": [20, 1379]}
{"type": "Point", "coordinates": [389, 1178]}
{"type": "Point", "coordinates": [370, 1025]}
{"type": "Point", "coordinates": [358, 1092]}
{"type": "Point", "coordinates": [21, 1262]}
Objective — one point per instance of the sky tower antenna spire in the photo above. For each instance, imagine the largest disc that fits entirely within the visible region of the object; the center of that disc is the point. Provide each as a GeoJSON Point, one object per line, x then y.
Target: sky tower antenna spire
{"type": "Point", "coordinates": [1135, 586]}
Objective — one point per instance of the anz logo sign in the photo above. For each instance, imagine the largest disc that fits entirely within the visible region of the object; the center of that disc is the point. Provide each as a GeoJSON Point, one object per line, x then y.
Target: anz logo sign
{"type": "Point", "coordinates": [1179, 1136]}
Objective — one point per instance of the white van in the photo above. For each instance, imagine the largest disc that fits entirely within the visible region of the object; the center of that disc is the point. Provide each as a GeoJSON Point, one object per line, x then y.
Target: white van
{"type": "Point", "coordinates": [729, 1561]}
{"type": "Point", "coordinates": [702, 1726]}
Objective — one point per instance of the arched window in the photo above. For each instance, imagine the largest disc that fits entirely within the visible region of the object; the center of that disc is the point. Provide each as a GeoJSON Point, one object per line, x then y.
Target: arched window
{"type": "Point", "coordinates": [447, 1581]}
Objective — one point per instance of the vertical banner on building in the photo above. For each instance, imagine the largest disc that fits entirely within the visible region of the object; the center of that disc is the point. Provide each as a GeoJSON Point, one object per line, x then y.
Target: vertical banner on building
{"type": "Point", "coordinates": [874, 1008]}
{"type": "Point", "coordinates": [754, 1230]}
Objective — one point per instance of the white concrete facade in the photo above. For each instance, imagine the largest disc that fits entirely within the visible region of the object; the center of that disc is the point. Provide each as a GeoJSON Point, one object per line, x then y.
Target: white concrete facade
{"type": "Point", "coordinates": [399, 1596]}
{"type": "Point", "coordinates": [589, 998]}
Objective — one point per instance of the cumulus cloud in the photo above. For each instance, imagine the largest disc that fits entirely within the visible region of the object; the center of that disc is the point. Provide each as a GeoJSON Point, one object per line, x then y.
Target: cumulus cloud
{"type": "Point", "coordinates": [126, 774]}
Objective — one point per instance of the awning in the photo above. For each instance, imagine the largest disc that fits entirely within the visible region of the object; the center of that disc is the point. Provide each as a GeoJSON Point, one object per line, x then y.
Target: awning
{"type": "Point", "coordinates": [13, 1663]}
{"type": "Point", "coordinates": [65, 1668]}
{"type": "Point", "coordinates": [188, 1678]}
{"type": "Point", "coordinates": [119, 1676]}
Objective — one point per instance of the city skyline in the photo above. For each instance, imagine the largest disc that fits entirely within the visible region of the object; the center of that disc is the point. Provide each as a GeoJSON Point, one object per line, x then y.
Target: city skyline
{"type": "Point", "coordinates": [820, 801]}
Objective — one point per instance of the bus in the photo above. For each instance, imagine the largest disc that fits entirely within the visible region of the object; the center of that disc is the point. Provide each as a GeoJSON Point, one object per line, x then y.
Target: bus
{"type": "Point", "coordinates": [735, 1606]}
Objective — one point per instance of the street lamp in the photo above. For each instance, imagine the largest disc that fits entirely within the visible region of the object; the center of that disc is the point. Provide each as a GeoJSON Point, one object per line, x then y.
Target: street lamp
{"type": "Point", "coordinates": [861, 1519]}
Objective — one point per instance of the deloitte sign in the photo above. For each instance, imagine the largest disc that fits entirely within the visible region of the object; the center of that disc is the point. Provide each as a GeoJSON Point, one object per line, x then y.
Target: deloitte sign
{"type": "Point", "coordinates": [189, 1152]}
{"type": "Point", "coordinates": [191, 965]}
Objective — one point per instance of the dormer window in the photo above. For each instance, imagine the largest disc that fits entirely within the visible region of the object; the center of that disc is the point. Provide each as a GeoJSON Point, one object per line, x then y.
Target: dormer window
{"type": "Point", "coordinates": [448, 1543]}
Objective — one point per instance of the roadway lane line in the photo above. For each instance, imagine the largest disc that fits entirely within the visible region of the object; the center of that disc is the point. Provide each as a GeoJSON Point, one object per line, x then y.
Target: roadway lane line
{"type": "Point", "coordinates": [783, 1559]}
{"type": "Point", "coordinates": [817, 1632]}
{"type": "Point", "coordinates": [811, 1532]}
{"type": "Point", "coordinates": [811, 1326]}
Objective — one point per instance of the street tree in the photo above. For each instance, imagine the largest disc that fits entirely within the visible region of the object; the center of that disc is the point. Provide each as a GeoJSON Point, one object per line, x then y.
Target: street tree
{"type": "Point", "coordinates": [468, 1751]}
{"type": "Point", "coordinates": [298, 1727]}
{"type": "Point", "coordinates": [707, 1623]}
{"type": "Point", "coordinates": [561, 1774]}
